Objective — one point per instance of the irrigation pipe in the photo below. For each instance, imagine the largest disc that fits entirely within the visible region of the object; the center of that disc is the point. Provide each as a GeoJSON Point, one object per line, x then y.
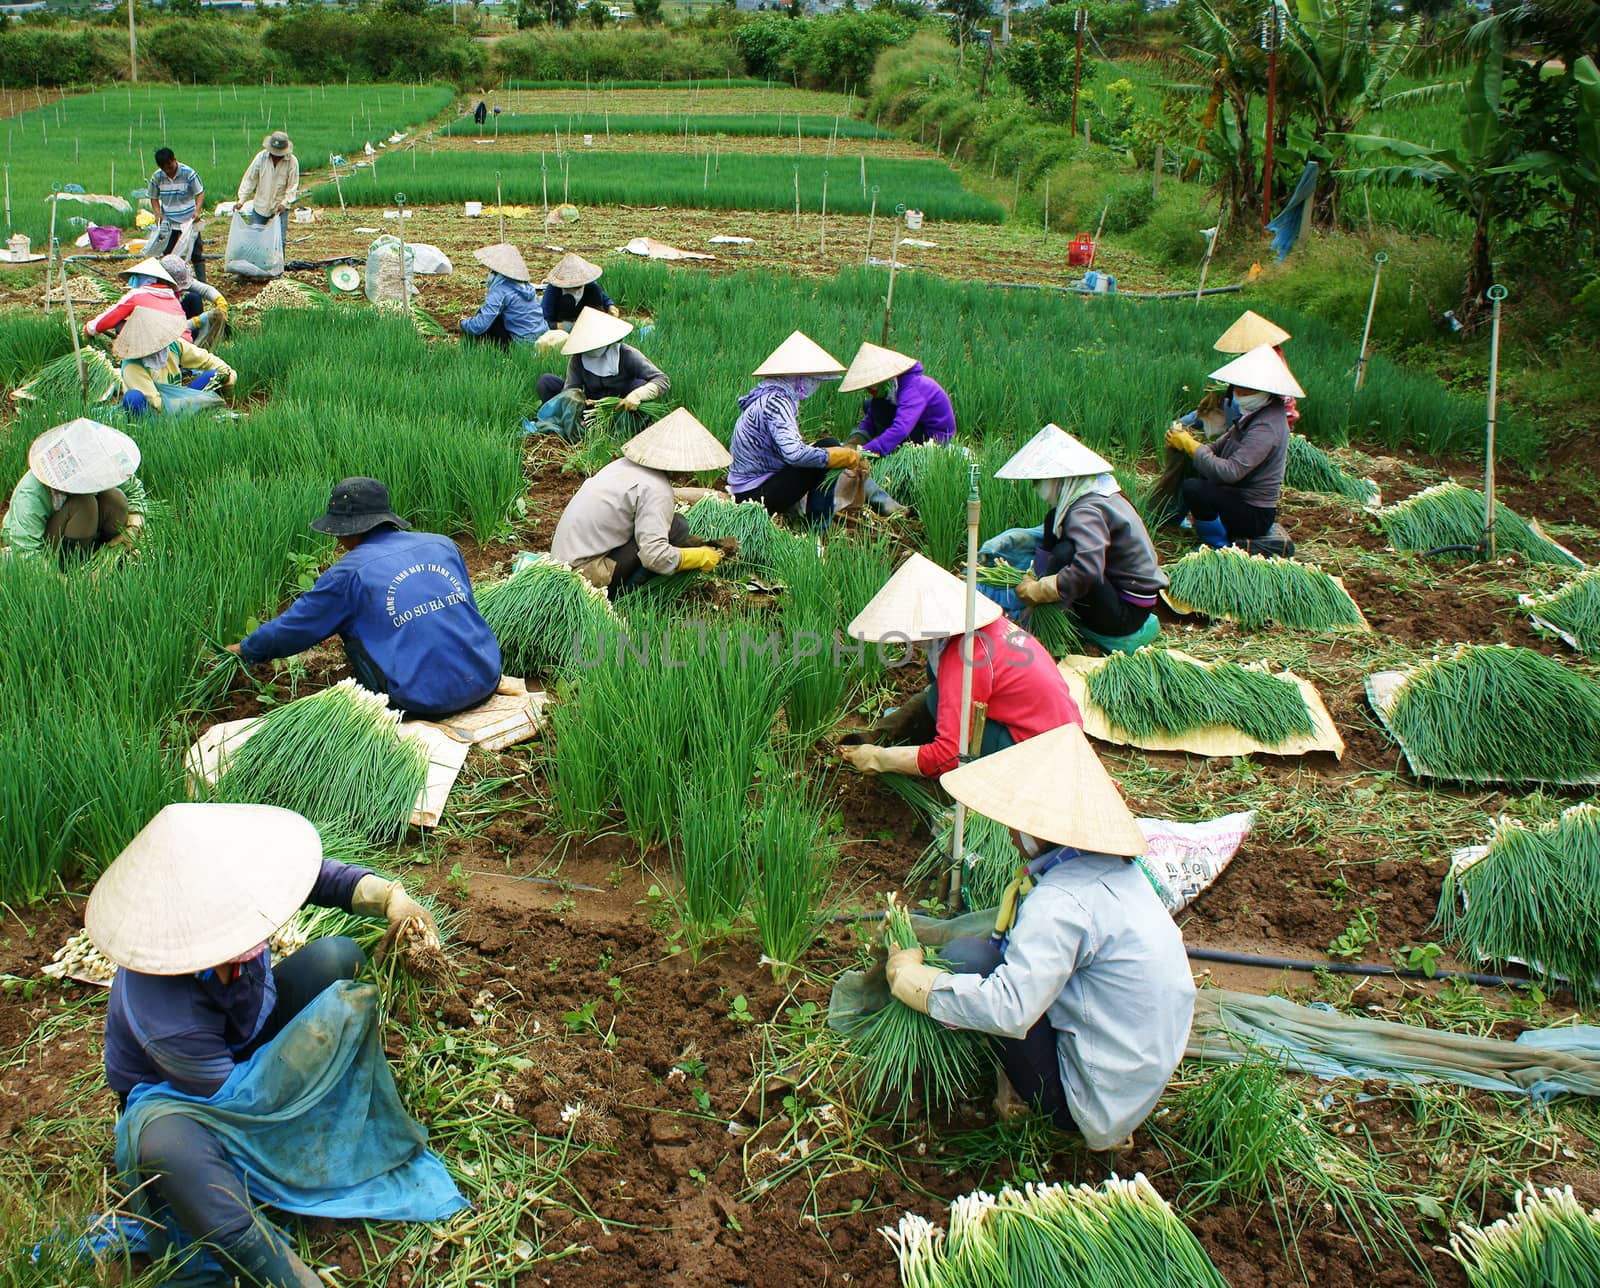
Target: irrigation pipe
{"type": "Point", "coordinates": [1496, 294]}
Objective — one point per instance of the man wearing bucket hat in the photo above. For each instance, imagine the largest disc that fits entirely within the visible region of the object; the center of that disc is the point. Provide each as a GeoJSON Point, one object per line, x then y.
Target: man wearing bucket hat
{"type": "Point", "coordinates": [772, 463]}
{"type": "Point", "coordinates": [1233, 494]}
{"type": "Point", "coordinates": [1092, 554]}
{"type": "Point", "coordinates": [186, 912]}
{"type": "Point", "coordinates": [599, 365]}
{"type": "Point", "coordinates": [80, 493]}
{"type": "Point", "coordinates": [620, 530]}
{"type": "Point", "coordinates": [178, 201]}
{"type": "Point", "coordinates": [150, 286]}
{"type": "Point", "coordinates": [402, 604]}
{"type": "Point", "coordinates": [510, 313]}
{"type": "Point", "coordinates": [203, 304]}
{"type": "Point", "coordinates": [1084, 980]}
{"type": "Point", "coordinates": [271, 184]}
{"type": "Point", "coordinates": [158, 363]}
{"type": "Point", "coordinates": [1013, 678]}
{"type": "Point", "coordinates": [572, 286]}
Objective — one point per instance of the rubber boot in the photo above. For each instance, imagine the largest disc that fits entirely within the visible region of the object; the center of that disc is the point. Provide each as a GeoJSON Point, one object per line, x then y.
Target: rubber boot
{"type": "Point", "coordinates": [263, 1257]}
{"type": "Point", "coordinates": [1211, 532]}
{"type": "Point", "coordinates": [1130, 643]}
{"type": "Point", "coordinates": [882, 503]}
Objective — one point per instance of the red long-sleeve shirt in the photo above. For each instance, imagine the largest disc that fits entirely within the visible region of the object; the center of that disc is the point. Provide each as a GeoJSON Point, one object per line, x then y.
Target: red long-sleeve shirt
{"type": "Point", "coordinates": [159, 298]}
{"type": "Point", "coordinates": [1014, 675]}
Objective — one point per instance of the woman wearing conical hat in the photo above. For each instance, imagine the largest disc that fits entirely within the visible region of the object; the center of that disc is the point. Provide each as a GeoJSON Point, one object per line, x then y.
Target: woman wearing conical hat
{"type": "Point", "coordinates": [1012, 675]}
{"type": "Point", "coordinates": [621, 529]}
{"type": "Point", "coordinates": [903, 405]}
{"type": "Point", "coordinates": [80, 493]}
{"type": "Point", "coordinates": [570, 287]}
{"type": "Point", "coordinates": [599, 366]}
{"type": "Point", "coordinates": [150, 286]}
{"type": "Point", "coordinates": [510, 313]}
{"type": "Point", "coordinates": [772, 463]}
{"type": "Point", "coordinates": [1085, 980]}
{"type": "Point", "coordinates": [155, 356]}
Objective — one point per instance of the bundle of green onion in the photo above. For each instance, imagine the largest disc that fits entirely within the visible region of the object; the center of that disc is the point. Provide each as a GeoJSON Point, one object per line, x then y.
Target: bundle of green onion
{"type": "Point", "coordinates": [1253, 590]}
{"type": "Point", "coordinates": [57, 382]}
{"type": "Point", "coordinates": [1534, 897]}
{"type": "Point", "coordinates": [1575, 609]}
{"type": "Point", "coordinates": [544, 614]}
{"type": "Point", "coordinates": [762, 543]}
{"type": "Point", "coordinates": [336, 757]}
{"type": "Point", "coordinates": [1448, 514]}
{"type": "Point", "coordinates": [1490, 711]}
{"type": "Point", "coordinates": [1151, 691]}
{"type": "Point", "coordinates": [609, 416]}
{"type": "Point", "coordinates": [1310, 469]}
{"type": "Point", "coordinates": [1550, 1241]}
{"type": "Point", "coordinates": [906, 1053]}
{"type": "Point", "coordinates": [1122, 1233]}
{"type": "Point", "coordinates": [1050, 624]}
{"type": "Point", "coordinates": [427, 324]}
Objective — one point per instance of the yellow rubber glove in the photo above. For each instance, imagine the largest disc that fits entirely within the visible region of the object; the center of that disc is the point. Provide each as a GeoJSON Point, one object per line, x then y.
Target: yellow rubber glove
{"type": "Point", "coordinates": [910, 980]}
{"type": "Point", "coordinates": [1183, 440]}
{"type": "Point", "coordinates": [375, 897]}
{"type": "Point", "coordinates": [614, 311]}
{"type": "Point", "coordinates": [869, 758]}
{"type": "Point", "coordinates": [843, 458]}
{"type": "Point", "coordinates": [699, 559]}
{"type": "Point", "coordinates": [1033, 590]}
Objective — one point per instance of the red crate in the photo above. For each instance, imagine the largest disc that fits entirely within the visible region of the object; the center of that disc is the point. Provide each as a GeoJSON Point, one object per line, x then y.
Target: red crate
{"type": "Point", "coordinates": [1080, 251]}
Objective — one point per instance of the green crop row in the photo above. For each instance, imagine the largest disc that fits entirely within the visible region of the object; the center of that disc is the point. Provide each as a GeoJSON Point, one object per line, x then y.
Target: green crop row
{"type": "Point", "coordinates": [732, 124]}
{"type": "Point", "coordinates": [715, 82]}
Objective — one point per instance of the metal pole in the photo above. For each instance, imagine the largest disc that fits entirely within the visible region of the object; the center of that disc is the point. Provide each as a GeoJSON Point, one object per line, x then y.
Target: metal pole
{"type": "Point", "coordinates": [544, 187]}
{"type": "Point", "coordinates": [894, 264]}
{"type": "Point", "coordinates": [1380, 259]}
{"type": "Point", "coordinates": [1497, 293]}
{"type": "Point", "coordinates": [72, 327]}
{"type": "Point", "coordinates": [872, 216]}
{"type": "Point", "coordinates": [797, 196]}
{"type": "Point", "coordinates": [1080, 20]}
{"type": "Point", "coordinates": [958, 832]}
{"type": "Point", "coordinates": [405, 277]}
{"type": "Point", "coordinates": [337, 186]}
{"type": "Point", "coordinates": [50, 257]}
{"type": "Point", "coordinates": [8, 198]}
{"type": "Point", "coordinates": [1211, 249]}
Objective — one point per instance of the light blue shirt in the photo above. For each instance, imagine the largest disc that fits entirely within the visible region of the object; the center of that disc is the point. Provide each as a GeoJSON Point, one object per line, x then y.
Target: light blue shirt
{"type": "Point", "coordinates": [174, 198]}
{"type": "Point", "coordinates": [1096, 951]}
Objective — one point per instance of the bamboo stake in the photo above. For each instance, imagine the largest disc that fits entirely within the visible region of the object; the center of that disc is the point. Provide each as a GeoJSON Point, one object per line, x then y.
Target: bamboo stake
{"type": "Point", "coordinates": [894, 264]}
{"type": "Point", "coordinates": [872, 216]}
{"type": "Point", "coordinates": [822, 243]}
{"type": "Point", "coordinates": [337, 185]}
{"type": "Point", "coordinates": [72, 329]}
{"type": "Point", "coordinates": [1497, 293]}
{"type": "Point", "coordinates": [499, 205]}
{"type": "Point", "coordinates": [958, 831]}
{"type": "Point", "coordinates": [50, 257]}
{"type": "Point", "coordinates": [797, 196]}
{"type": "Point", "coordinates": [1380, 259]}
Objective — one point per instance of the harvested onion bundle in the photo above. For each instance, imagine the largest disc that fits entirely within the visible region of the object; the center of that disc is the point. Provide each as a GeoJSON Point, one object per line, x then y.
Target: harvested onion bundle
{"type": "Point", "coordinates": [1549, 1241]}
{"type": "Point", "coordinates": [1310, 469]}
{"type": "Point", "coordinates": [542, 615]}
{"type": "Point", "coordinates": [1575, 610]}
{"type": "Point", "coordinates": [1152, 691]}
{"type": "Point", "coordinates": [1253, 590]}
{"type": "Point", "coordinates": [1448, 514]}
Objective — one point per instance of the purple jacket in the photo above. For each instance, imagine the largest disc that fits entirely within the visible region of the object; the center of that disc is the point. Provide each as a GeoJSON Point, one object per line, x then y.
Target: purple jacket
{"type": "Point", "coordinates": [767, 435]}
{"type": "Point", "coordinates": [922, 413]}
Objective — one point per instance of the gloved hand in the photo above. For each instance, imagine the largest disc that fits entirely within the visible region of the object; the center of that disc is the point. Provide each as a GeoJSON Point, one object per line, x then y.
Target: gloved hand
{"type": "Point", "coordinates": [554, 338]}
{"type": "Point", "coordinates": [699, 559]}
{"type": "Point", "coordinates": [202, 380]}
{"type": "Point", "coordinates": [910, 980]}
{"type": "Point", "coordinates": [630, 402]}
{"type": "Point", "coordinates": [1183, 440]}
{"type": "Point", "coordinates": [1034, 591]}
{"type": "Point", "coordinates": [843, 458]}
{"type": "Point", "coordinates": [871, 759]}
{"type": "Point", "coordinates": [375, 897]}
{"type": "Point", "coordinates": [614, 311]}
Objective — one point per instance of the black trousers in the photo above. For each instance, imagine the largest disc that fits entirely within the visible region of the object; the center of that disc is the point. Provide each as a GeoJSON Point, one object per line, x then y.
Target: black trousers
{"type": "Point", "coordinates": [1100, 608]}
{"type": "Point", "coordinates": [190, 1169]}
{"type": "Point", "coordinates": [197, 253]}
{"type": "Point", "coordinates": [496, 334]}
{"type": "Point", "coordinates": [548, 386]}
{"type": "Point", "coordinates": [783, 490]}
{"type": "Point", "coordinates": [1206, 499]}
{"type": "Point", "coordinates": [630, 574]}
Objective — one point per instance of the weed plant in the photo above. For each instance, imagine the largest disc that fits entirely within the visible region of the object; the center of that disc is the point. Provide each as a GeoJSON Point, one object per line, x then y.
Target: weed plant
{"type": "Point", "coordinates": [793, 860]}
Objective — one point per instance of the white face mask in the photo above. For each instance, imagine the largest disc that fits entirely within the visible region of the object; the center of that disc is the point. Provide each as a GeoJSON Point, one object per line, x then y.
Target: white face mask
{"type": "Point", "coordinates": [1248, 403]}
{"type": "Point", "coordinates": [1032, 847]}
{"type": "Point", "coordinates": [1049, 490]}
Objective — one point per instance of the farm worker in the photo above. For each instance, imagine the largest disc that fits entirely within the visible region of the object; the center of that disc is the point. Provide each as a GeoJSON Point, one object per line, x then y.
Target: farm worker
{"type": "Point", "coordinates": [156, 358]}
{"type": "Point", "coordinates": [1092, 554]}
{"type": "Point", "coordinates": [202, 303]}
{"type": "Point", "coordinates": [510, 312]}
{"type": "Point", "coordinates": [1085, 981]}
{"type": "Point", "coordinates": [620, 529]}
{"type": "Point", "coordinates": [271, 184]}
{"type": "Point", "coordinates": [903, 406]}
{"type": "Point", "coordinates": [1233, 494]}
{"type": "Point", "coordinates": [151, 285]}
{"type": "Point", "coordinates": [80, 493]}
{"type": "Point", "coordinates": [570, 287]}
{"type": "Point", "coordinates": [599, 366]}
{"type": "Point", "coordinates": [771, 462]}
{"type": "Point", "coordinates": [401, 602]}
{"type": "Point", "coordinates": [1012, 675]}
{"type": "Point", "coordinates": [186, 912]}
{"type": "Point", "coordinates": [178, 201]}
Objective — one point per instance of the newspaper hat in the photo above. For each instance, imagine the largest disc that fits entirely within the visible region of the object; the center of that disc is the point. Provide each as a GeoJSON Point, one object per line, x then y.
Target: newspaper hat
{"type": "Point", "coordinates": [1053, 453]}
{"type": "Point", "coordinates": [1261, 369]}
{"type": "Point", "coordinates": [83, 457]}
{"type": "Point", "coordinates": [505, 259]}
{"type": "Point", "coordinates": [1251, 331]}
{"type": "Point", "coordinates": [572, 272]}
{"type": "Point", "coordinates": [148, 268]}
{"type": "Point", "coordinates": [677, 443]}
{"type": "Point", "coordinates": [1054, 788]}
{"type": "Point", "coordinates": [148, 331]}
{"type": "Point", "coordinates": [800, 355]}
{"type": "Point", "coordinates": [201, 884]}
{"type": "Point", "coordinates": [920, 602]}
{"type": "Point", "coordinates": [872, 365]}
{"type": "Point", "coordinates": [594, 330]}
{"type": "Point", "coordinates": [277, 143]}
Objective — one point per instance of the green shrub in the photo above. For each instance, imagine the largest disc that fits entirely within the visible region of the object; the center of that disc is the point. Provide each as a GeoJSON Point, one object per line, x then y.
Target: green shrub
{"type": "Point", "coordinates": [615, 55]}
{"type": "Point", "coordinates": [1172, 233]}
{"type": "Point", "coordinates": [211, 53]}
{"type": "Point", "coordinates": [29, 56]}
{"type": "Point", "coordinates": [1132, 204]}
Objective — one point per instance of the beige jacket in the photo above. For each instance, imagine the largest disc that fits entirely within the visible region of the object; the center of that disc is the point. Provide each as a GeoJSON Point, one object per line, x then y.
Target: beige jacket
{"type": "Point", "coordinates": [266, 186]}
{"type": "Point", "coordinates": [622, 501]}
{"type": "Point", "coordinates": [181, 357]}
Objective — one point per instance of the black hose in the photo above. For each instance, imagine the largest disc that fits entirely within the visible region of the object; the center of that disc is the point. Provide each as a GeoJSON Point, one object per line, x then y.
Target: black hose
{"type": "Point", "coordinates": [1454, 550]}
{"type": "Point", "coordinates": [1351, 968]}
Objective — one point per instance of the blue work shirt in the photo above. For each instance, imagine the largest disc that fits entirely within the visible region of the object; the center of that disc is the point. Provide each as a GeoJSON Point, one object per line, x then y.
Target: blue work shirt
{"type": "Point", "coordinates": [190, 1029]}
{"type": "Point", "coordinates": [516, 302]}
{"type": "Point", "coordinates": [402, 603]}
{"type": "Point", "coordinates": [560, 309]}
{"type": "Point", "coordinates": [174, 198]}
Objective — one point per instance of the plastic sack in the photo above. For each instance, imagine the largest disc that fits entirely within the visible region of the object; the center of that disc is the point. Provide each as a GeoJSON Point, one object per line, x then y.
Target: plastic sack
{"type": "Point", "coordinates": [254, 250]}
{"type": "Point", "coordinates": [180, 400]}
{"type": "Point", "coordinates": [102, 237]}
{"type": "Point", "coordinates": [387, 282]}
{"type": "Point", "coordinates": [429, 259]}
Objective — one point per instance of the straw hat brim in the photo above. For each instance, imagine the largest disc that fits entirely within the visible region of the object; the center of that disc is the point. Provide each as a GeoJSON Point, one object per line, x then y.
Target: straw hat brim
{"type": "Point", "coordinates": [148, 268]}
{"type": "Point", "coordinates": [1250, 331]}
{"type": "Point", "coordinates": [147, 331]}
{"type": "Point", "coordinates": [505, 259]}
{"type": "Point", "coordinates": [285, 150]}
{"type": "Point", "coordinates": [677, 443]}
{"type": "Point", "coordinates": [920, 602]}
{"type": "Point", "coordinates": [572, 272]}
{"type": "Point", "coordinates": [800, 355]}
{"type": "Point", "coordinates": [595, 330]}
{"type": "Point", "coordinates": [201, 884]}
{"type": "Point", "coordinates": [873, 365]}
{"type": "Point", "coordinates": [1261, 369]}
{"type": "Point", "coordinates": [83, 457]}
{"type": "Point", "coordinates": [1054, 788]}
{"type": "Point", "coordinates": [1053, 453]}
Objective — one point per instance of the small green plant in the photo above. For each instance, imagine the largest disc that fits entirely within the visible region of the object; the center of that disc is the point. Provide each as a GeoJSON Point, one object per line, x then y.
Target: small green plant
{"type": "Point", "coordinates": [739, 1011]}
{"type": "Point", "coordinates": [1422, 957]}
{"type": "Point", "coordinates": [458, 880]}
{"type": "Point", "coordinates": [1360, 931]}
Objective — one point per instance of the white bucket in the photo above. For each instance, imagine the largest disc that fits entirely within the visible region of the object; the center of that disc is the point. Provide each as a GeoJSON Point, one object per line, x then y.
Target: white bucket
{"type": "Point", "coordinates": [588, 140]}
{"type": "Point", "coordinates": [19, 246]}
{"type": "Point", "coordinates": [473, 209]}
{"type": "Point", "coordinates": [304, 215]}
{"type": "Point", "coordinates": [913, 219]}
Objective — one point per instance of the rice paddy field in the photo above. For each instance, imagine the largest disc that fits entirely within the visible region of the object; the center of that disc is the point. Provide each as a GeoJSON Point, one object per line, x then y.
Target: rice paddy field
{"type": "Point", "coordinates": [626, 1063]}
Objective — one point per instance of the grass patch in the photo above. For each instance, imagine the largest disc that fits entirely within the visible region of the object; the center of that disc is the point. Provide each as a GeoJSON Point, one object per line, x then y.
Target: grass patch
{"type": "Point", "coordinates": [696, 124]}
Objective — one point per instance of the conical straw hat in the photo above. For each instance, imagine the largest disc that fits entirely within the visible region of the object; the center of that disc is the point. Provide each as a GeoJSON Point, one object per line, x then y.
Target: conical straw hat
{"type": "Point", "coordinates": [594, 330]}
{"type": "Point", "coordinates": [1251, 331]}
{"type": "Point", "coordinates": [872, 365]}
{"type": "Point", "coordinates": [148, 331]}
{"type": "Point", "coordinates": [572, 272]}
{"type": "Point", "coordinates": [1053, 453]}
{"type": "Point", "coordinates": [505, 259]}
{"type": "Point", "coordinates": [799, 355]}
{"type": "Point", "coordinates": [677, 442]}
{"type": "Point", "coordinates": [83, 457]}
{"type": "Point", "coordinates": [920, 602]}
{"type": "Point", "coordinates": [1054, 788]}
{"type": "Point", "coordinates": [201, 884]}
{"type": "Point", "coordinates": [148, 268]}
{"type": "Point", "coordinates": [1261, 369]}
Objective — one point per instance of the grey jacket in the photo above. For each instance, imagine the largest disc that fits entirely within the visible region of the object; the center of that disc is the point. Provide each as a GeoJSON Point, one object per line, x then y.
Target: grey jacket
{"type": "Point", "coordinates": [1104, 539]}
{"type": "Point", "coordinates": [623, 500]}
{"type": "Point", "coordinates": [633, 370]}
{"type": "Point", "coordinates": [1250, 456]}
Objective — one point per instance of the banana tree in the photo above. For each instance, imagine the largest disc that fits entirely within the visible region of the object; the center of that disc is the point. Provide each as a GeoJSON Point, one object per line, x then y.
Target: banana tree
{"type": "Point", "coordinates": [1571, 155]}
{"type": "Point", "coordinates": [1221, 47]}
